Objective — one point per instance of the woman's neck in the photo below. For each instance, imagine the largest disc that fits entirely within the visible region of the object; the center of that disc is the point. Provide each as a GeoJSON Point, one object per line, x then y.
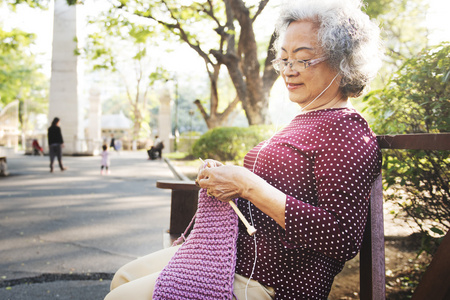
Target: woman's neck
{"type": "Point", "coordinates": [334, 103]}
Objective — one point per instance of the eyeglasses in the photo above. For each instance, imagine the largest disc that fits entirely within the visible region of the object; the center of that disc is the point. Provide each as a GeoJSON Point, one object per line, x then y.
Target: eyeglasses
{"type": "Point", "coordinates": [297, 65]}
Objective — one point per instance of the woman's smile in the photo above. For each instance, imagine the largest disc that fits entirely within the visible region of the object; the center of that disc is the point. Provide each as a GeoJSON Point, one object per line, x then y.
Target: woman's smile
{"type": "Point", "coordinates": [293, 86]}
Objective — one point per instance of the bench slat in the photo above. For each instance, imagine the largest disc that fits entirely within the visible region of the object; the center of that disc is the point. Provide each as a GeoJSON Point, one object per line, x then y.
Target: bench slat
{"type": "Point", "coordinates": [416, 141]}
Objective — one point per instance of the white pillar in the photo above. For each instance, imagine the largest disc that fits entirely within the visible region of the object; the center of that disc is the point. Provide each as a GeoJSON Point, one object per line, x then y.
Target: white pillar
{"type": "Point", "coordinates": [95, 122]}
{"type": "Point", "coordinates": [63, 102]}
{"type": "Point", "coordinates": [164, 119]}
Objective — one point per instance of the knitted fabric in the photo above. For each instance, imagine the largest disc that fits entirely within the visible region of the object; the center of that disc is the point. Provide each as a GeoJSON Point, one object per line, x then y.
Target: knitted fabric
{"type": "Point", "coordinates": [203, 267]}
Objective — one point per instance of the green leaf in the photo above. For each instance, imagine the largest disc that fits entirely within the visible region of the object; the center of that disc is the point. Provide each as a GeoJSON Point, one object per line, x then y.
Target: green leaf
{"type": "Point", "coordinates": [437, 230]}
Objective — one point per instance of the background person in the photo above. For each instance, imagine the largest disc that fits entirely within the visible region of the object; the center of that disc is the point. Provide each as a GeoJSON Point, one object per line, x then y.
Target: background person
{"type": "Point", "coordinates": [306, 189]}
{"type": "Point", "coordinates": [55, 143]}
{"type": "Point", "coordinates": [155, 151]}
{"type": "Point", "coordinates": [112, 143]}
{"type": "Point", "coordinates": [105, 161]}
{"type": "Point", "coordinates": [37, 149]}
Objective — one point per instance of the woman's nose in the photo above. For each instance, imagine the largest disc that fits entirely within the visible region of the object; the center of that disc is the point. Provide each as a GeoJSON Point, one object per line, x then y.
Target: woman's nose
{"type": "Point", "coordinates": [289, 71]}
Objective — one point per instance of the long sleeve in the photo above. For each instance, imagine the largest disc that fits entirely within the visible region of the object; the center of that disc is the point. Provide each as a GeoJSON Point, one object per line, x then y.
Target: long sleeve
{"type": "Point", "coordinates": [345, 166]}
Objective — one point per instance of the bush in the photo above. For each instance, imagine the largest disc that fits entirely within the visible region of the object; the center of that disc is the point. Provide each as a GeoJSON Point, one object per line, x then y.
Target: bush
{"type": "Point", "coordinates": [416, 100]}
{"type": "Point", "coordinates": [230, 143]}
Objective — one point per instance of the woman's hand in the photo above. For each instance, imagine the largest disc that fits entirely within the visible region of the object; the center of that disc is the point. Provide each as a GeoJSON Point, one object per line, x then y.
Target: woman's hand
{"type": "Point", "coordinates": [207, 163]}
{"type": "Point", "coordinates": [229, 182]}
{"type": "Point", "coordinates": [223, 182]}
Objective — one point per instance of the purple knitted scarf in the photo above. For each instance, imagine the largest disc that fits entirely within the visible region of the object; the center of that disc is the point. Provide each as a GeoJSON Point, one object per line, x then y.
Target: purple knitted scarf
{"type": "Point", "coordinates": [203, 267]}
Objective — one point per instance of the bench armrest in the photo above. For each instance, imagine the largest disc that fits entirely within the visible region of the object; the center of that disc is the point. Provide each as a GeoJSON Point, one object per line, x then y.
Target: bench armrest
{"type": "Point", "coordinates": [177, 185]}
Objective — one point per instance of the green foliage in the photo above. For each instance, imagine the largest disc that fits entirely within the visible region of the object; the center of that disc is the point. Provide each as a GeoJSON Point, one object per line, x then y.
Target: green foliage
{"type": "Point", "coordinates": [43, 4]}
{"type": "Point", "coordinates": [230, 143]}
{"type": "Point", "coordinates": [416, 100]}
{"type": "Point", "coordinates": [19, 75]}
{"type": "Point", "coordinates": [403, 32]}
{"type": "Point", "coordinates": [375, 8]}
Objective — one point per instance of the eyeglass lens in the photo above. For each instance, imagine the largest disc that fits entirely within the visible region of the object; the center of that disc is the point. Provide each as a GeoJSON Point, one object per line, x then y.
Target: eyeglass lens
{"type": "Point", "coordinates": [296, 65]}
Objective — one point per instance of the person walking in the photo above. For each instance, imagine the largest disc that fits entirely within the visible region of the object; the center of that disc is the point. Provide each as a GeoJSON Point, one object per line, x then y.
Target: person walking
{"type": "Point", "coordinates": [105, 160]}
{"type": "Point", "coordinates": [55, 144]}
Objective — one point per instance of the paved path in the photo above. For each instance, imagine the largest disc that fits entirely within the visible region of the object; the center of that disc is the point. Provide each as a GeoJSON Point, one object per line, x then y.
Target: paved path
{"type": "Point", "coordinates": [74, 229]}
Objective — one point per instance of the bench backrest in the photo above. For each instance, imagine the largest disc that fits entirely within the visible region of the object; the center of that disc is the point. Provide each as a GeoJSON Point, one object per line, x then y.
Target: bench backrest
{"type": "Point", "coordinates": [372, 258]}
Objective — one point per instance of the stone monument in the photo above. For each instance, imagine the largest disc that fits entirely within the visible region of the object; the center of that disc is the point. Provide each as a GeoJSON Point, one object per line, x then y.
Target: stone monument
{"type": "Point", "coordinates": [94, 139]}
{"type": "Point", "coordinates": [63, 102]}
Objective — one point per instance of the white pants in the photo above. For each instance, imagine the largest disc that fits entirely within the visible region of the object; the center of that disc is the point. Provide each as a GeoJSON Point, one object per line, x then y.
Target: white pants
{"type": "Point", "coordinates": [136, 280]}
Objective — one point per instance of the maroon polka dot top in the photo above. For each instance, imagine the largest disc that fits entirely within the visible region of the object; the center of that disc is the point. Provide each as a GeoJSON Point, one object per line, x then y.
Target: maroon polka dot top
{"type": "Point", "coordinates": [325, 161]}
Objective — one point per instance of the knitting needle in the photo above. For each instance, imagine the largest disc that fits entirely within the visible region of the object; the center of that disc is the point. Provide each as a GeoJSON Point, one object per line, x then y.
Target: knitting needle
{"type": "Point", "coordinates": [250, 229]}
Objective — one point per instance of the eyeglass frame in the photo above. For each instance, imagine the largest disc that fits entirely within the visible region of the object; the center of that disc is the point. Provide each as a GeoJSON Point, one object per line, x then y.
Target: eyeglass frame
{"type": "Point", "coordinates": [292, 62]}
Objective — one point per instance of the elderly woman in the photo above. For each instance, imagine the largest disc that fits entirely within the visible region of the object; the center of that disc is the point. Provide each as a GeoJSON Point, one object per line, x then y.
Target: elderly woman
{"type": "Point", "coordinates": [306, 189]}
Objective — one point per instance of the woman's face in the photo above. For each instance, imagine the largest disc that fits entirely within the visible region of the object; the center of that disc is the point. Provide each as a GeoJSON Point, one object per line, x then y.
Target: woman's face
{"type": "Point", "coordinates": [300, 43]}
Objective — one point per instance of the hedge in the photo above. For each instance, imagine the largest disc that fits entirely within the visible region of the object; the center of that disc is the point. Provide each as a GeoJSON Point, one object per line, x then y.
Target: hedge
{"type": "Point", "coordinates": [230, 143]}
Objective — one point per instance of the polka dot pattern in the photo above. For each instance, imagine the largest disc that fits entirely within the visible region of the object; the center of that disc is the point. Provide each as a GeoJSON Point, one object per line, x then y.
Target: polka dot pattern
{"type": "Point", "coordinates": [325, 162]}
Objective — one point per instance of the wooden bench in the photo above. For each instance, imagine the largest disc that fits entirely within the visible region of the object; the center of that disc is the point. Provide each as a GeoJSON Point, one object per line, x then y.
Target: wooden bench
{"type": "Point", "coordinates": [372, 256]}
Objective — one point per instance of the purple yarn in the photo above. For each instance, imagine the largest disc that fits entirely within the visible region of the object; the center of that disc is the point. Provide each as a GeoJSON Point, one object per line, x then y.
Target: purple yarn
{"type": "Point", "coordinates": [203, 267]}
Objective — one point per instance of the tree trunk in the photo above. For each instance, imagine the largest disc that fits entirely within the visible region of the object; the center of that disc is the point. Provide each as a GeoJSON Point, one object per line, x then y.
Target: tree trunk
{"type": "Point", "coordinates": [252, 89]}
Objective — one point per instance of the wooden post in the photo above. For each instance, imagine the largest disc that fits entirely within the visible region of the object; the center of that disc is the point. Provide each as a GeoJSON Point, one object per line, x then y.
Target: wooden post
{"type": "Point", "coordinates": [184, 202]}
{"type": "Point", "coordinates": [372, 259]}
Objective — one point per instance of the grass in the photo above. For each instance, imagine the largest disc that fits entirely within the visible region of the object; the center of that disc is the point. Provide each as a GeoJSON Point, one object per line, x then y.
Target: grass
{"type": "Point", "coordinates": [178, 156]}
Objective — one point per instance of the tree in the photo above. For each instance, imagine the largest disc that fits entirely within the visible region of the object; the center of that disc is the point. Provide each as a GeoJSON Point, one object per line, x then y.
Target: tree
{"type": "Point", "coordinates": [403, 33]}
{"type": "Point", "coordinates": [229, 24]}
{"type": "Point", "coordinates": [221, 33]}
{"type": "Point", "coordinates": [124, 51]}
{"type": "Point", "coordinates": [416, 100]}
{"type": "Point", "coordinates": [20, 77]}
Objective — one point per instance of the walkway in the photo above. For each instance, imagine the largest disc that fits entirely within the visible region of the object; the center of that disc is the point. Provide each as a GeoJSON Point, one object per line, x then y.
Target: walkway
{"type": "Point", "coordinates": [72, 230]}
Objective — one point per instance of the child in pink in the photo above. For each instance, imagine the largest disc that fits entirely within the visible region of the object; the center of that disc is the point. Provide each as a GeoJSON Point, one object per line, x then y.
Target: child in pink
{"type": "Point", "coordinates": [105, 160]}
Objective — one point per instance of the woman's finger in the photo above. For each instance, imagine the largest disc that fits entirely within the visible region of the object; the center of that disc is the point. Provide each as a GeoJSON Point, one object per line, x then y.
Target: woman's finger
{"type": "Point", "coordinates": [203, 178]}
{"type": "Point", "coordinates": [213, 163]}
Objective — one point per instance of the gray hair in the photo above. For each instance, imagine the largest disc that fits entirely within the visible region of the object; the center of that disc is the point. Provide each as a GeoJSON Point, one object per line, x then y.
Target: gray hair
{"type": "Point", "coordinates": [348, 38]}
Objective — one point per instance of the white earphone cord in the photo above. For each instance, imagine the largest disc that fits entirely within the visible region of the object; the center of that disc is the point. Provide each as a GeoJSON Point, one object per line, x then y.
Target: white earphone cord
{"type": "Point", "coordinates": [251, 216]}
{"type": "Point", "coordinates": [303, 108]}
